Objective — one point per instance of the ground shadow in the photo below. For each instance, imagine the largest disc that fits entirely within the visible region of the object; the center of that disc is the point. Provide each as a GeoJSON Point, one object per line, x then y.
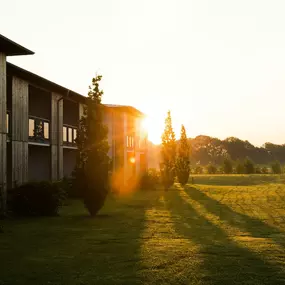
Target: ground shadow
{"type": "Point", "coordinates": [77, 249]}
{"type": "Point", "coordinates": [254, 226]}
{"type": "Point", "coordinates": [222, 261]}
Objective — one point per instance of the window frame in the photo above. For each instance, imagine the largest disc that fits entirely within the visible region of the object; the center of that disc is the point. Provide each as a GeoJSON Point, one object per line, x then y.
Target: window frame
{"type": "Point", "coordinates": [40, 138]}
{"type": "Point", "coordinates": [130, 141]}
{"type": "Point", "coordinates": [70, 130]}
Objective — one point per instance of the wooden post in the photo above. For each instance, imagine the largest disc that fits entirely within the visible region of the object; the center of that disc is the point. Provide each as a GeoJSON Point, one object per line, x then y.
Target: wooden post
{"type": "Point", "coordinates": [125, 165]}
{"type": "Point", "coordinates": [20, 131]}
{"type": "Point", "coordinates": [56, 137]}
{"type": "Point", "coordinates": [3, 135]}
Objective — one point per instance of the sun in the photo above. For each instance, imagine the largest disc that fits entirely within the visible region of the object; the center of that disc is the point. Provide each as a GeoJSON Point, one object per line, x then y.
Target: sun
{"type": "Point", "coordinates": [153, 125]}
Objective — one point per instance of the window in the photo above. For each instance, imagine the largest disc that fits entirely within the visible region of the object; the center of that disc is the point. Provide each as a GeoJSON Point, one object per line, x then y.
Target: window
{"type": "Point", "coordinates": [70, 139]}
{"type": "Point", "coordinates": [74, 134]}
{"type": "Point", "coordinates": [130, 141]}
{"type": "Point", "coordinates": [64, 134]}
{"type": "Point", "coordinates": [69, 135]}
{"type": "Point", "coordinates": [46, 130]}
{"type": "Point", "coordinates": [38, 129]}
{"type": "Point", "coordinates": [31, 127]}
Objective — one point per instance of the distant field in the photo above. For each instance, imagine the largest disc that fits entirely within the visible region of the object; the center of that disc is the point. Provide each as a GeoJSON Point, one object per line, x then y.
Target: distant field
{"type": "Point", "coordinates": [221, 230]}
{"type": "Point", "coordinates": [238, 179]}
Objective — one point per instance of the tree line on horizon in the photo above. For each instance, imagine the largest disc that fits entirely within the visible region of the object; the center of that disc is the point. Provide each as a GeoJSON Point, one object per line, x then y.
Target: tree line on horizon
{"type": "Point", "coordinates": [175, 155]}
{"type": "Point", "coordinates": [206, 150]}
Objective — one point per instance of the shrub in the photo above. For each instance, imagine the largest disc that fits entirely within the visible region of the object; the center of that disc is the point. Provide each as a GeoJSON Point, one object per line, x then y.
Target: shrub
{"type": "Point", "coordinates": [258, 170]}
{"type": "Point", "coordinates": [227, 166]}
{"type": "Point", "coordinates": [248, 166]}
{"type": "Point", "coordinates": [69, 186]}
{"type": "Point", "coordinates": [150, 179]}
{"type": "Point", "coordinates": [276, 167]}
{"type": "Point", "coordinates": [211, 169]}
{"type": "Point", "coordinates": [36, 199]}
{"type": "Point", "coordinates": [239, 168]}
{"type": "Point", "coordinates": [198, 169]}
{"type": "Point", "coordinates": [264, 170]}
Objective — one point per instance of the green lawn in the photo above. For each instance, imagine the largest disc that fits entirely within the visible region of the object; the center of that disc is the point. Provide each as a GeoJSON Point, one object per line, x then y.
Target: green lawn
{"type": "Point", "coordinates": [225, 230]}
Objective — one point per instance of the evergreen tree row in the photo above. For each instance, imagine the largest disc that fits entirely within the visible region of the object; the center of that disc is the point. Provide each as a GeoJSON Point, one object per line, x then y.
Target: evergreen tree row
{"type": "Point", "coordinates": [174, 163]}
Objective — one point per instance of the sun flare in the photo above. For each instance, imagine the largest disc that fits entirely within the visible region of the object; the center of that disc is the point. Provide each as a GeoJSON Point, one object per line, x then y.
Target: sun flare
{"type": "Point", "coordinates": [153, 125]}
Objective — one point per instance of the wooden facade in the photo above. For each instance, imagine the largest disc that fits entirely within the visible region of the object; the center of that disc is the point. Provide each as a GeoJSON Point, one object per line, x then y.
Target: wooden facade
{"type": "Point", "coordinates": [39, 112]}
{"type": "Point", "coordinates": [3, 133]}
{"type": "Point", "coordinates": [19, 130]}
{"type": "Point", "coordinates": [56, 136]}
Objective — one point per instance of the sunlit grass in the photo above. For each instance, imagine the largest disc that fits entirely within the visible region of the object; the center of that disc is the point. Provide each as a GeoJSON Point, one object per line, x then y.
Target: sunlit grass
{"type": "Point", "coordinates": [231, 232]}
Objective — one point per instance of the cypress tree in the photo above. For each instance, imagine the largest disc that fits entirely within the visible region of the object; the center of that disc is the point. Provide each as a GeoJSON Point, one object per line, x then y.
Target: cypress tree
{"type": "Point", "coordinates": [182, 162]}
{"type": "Point", "coordinates": [168, 154]}
{"type": "Point", "coordinates": [93, 163]}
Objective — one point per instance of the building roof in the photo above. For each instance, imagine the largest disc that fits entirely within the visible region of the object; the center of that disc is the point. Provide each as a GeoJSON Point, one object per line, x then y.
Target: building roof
{"type": "Point", "coordinates": [11, 48]}
{"type": "Point", "coordinates": [125, 108]}
{"type": "Point", "coordinates": [43, 83]}
{"type": "Point", "coordinates": [13, 70]}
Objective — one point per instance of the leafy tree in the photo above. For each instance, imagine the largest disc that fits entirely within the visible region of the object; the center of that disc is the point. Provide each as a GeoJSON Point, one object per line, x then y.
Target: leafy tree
{"type": "Point", "coordinates": [239, 167]}
{"type": "Point", "coordinates": [248, 166]}
{"type": "Point", "coordinates": [168, 154]}
{"type": "Point", "coordinates": [227, 166]}
{"type": "Point", "coordinates": [211, 169]}
{"type": "Point", "coordinates": [276, 167]}
{"type": "Point", "coordinates": [93, 163]}
{"type": "Point", "coordinates": [182, 162]}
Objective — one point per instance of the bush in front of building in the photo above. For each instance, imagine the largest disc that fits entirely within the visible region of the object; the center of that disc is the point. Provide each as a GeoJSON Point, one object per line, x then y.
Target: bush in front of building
{"type": "Point", "coordinates": [69, 186]}
{"type": "Point", "coordinates": [36, 199]}
{"type": "Point", "coordinates": [150, 180]}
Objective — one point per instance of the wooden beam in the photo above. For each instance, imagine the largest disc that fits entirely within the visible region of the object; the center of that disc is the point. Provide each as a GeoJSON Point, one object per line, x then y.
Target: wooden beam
{"type": "Point", "coordinates": [20, 130]}
{"type": "Point", "coordinates": [56, 137]}
{"type": "Point", "coordinates": [3, 135]}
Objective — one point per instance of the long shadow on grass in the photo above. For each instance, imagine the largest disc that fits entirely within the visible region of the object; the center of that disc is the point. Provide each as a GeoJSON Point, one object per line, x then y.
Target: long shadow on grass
{"type": "Point", "coordinates": [75, 249]}
{"type": "Point", "coordinates": [222, 261]}
{"type": "Point", "coordinates": [254, 226]}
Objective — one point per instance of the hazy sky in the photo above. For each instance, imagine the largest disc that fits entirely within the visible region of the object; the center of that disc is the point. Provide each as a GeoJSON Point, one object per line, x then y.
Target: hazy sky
{"type": "Point", "coordinates": [218, 65]}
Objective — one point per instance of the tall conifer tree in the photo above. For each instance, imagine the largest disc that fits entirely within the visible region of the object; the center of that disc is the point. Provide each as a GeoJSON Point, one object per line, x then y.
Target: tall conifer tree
{"type": "Point", "coordinates": [93, 163]}
{"type": "Point", "coordinates": [168, 154]}
{"type": "Point", "coordinates": [183, 162]}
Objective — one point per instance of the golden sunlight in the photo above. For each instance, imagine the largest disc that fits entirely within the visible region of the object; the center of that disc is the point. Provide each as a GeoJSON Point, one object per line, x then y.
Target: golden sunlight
{"type": "Point", "coordinates": [154, 126]}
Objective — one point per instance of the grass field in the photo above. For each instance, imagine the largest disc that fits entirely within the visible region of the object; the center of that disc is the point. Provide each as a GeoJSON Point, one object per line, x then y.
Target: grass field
{"type": "Point", "coordinates": [224, 230]}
